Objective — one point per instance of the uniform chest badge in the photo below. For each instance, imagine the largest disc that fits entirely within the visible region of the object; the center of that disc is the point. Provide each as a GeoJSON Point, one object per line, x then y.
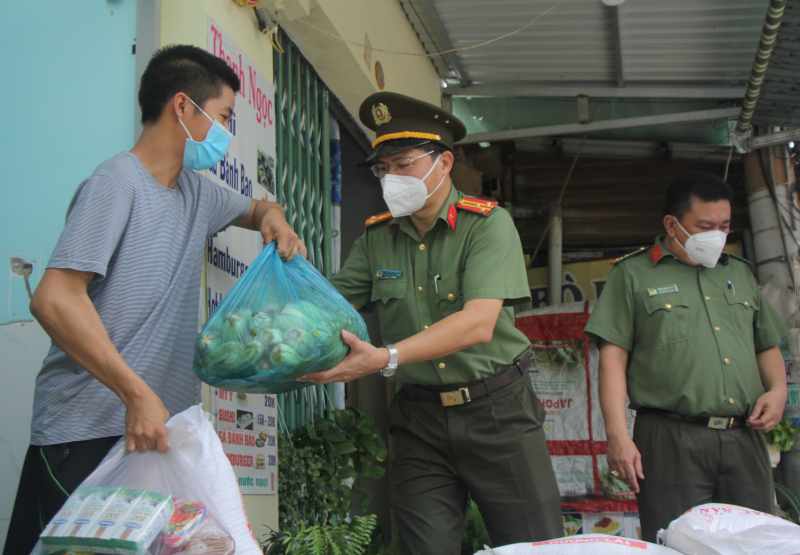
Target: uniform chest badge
{"type": "Point", "coordinates": [663, 290]}
{"type": "Point", "coordinates": [381, 114]}
{"type": "Point", "coordinates": [389, 274]}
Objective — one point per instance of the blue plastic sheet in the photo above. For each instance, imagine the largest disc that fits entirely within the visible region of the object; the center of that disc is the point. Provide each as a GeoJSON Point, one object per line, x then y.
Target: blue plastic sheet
{"type": "Point", "coordinates": [280, 321]}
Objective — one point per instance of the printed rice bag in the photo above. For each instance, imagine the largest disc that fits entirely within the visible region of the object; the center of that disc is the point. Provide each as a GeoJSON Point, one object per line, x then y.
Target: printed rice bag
{"type": "Point", "coordinates": [589, 544]}
{"type": "Point", "coordinates": [719, 529]}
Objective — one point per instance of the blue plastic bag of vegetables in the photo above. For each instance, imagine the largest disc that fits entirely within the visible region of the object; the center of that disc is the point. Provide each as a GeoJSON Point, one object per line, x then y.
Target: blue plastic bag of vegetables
{"type": "Point", "coordinates": [280, 321]}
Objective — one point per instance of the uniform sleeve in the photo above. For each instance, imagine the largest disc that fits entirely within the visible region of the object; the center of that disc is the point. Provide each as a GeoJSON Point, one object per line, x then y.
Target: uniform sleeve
{"type": "Point", "coordinates": [354, 280]}
{"type": "Point", "coordinates": [96, 221]}
{"type": "Point", "coordinates": [226, 207]}
{"type": "Point", "coordinates": [768, 329]}
{"type": "Point", "coordinates": [613, 316]}
{"type": "Point", "coordinates": [495, 266]}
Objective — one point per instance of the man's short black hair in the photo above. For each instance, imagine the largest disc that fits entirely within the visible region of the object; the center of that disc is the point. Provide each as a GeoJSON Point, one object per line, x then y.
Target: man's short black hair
{"type": "Point", "coordinates": [706, 187]}
{"type": "Point", "coordinates": [436, 147]}
{"type": "Point", "coordinates": [182, 68]}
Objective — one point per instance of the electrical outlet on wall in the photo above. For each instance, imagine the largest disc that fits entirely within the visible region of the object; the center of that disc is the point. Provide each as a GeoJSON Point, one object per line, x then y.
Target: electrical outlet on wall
{"type": "Point", "coordinates": [25, 271]}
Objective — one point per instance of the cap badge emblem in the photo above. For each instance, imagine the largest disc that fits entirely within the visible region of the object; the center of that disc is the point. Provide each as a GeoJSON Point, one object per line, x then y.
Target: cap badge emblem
{"type": "Point", "coordinates": [381, 114]}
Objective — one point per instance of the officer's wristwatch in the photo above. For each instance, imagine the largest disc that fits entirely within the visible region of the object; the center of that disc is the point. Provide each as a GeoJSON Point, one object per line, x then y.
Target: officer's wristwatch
{"type": "Point", "coordinates": [390, 368]}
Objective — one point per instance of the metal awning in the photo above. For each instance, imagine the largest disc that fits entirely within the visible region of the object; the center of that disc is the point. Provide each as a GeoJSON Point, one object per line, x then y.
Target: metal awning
{"type": "Point", "coordinates": [680, 48]}
{"type": "Point", "coordinates": [779, 100]}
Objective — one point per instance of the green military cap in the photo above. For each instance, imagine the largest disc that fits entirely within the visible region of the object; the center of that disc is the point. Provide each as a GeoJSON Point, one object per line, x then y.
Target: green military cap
{"type": "Point", "coordinates": [401, 122]}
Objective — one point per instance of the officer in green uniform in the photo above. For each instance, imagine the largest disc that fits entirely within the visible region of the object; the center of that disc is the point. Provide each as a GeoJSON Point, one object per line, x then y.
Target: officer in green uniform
{"type": "Point", "coordinates": [444, 271]}
{"type": "Point", "coordinates": [686, 332]}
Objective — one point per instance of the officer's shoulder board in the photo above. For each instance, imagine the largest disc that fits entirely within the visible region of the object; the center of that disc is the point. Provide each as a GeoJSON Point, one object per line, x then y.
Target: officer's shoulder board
{"type": "Point", "coordinates": [378, 218]}
{"type": "Point", "coordinates": [740, 259]}
{"type": "Point", "coordinates": [483, 207]}
{"type": "Point", "coordinates": [630, 255]}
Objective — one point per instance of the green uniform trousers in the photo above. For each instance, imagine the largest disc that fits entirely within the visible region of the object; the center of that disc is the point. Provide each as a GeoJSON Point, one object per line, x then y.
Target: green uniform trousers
{"type": "Point", "coordinates": [687, 464]}
{"type": "Point", "coordinates": [494, 448]}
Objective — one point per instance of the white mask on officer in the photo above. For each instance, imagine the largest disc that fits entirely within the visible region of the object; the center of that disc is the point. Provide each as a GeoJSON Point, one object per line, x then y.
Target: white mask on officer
{"type": "Point", "coordinates": [405, 194]}
{"type": "Point", "coordinates": [704, 248]}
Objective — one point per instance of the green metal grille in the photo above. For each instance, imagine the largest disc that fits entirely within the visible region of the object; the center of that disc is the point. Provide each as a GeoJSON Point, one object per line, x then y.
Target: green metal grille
{"type": "Point", "coordinates": [303, 187]}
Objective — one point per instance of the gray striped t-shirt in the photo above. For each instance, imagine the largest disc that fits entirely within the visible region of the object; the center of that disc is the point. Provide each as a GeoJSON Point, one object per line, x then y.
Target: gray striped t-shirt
{"type": "Point", "coordinates": [146, 244]}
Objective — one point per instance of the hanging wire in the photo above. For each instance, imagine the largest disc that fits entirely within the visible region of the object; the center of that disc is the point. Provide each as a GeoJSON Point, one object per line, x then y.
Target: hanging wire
{"type": "Point", "coordinates": [267, 29]}
{"type": "Point", "coordinates": [563, 189]}
{"type": "Point", "coordinates": [426, 55]}
{"type": "Point", "coordinates": [728, 164]}
{"type": "Point", "coordinates": [282, 420]}
{"type": "Point", "coordinates": [331, 406]}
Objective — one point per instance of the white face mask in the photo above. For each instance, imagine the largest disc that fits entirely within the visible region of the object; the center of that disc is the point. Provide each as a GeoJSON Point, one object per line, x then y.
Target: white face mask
{"type": "Point", "coordinates": [704, 248]}
{"type": "Point", "coordinates": [405, 194]}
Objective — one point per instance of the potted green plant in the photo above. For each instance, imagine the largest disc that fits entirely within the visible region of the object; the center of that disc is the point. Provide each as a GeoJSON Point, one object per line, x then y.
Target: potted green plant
{"type": "Point", "coordinates": [779, 439]}
{"type": "Point", "coordinates": [321, 467]}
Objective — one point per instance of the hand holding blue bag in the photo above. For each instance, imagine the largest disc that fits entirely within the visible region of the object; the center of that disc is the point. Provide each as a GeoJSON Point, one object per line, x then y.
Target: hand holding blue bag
{"type": "Point", "coordinates": [280, 321]}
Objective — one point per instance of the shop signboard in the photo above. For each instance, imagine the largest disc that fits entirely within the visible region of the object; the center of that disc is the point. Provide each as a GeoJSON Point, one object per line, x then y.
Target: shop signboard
{"type": "Point", "coordinates": [247, 427]}
{"type": "Point", "coordinates": [246, 423]}
{"type": "Point", "coordinates": [564, 374]}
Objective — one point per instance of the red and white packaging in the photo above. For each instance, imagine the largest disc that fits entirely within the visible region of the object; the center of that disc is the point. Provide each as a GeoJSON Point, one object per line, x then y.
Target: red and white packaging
{"type": "Point", "coordinates": [718, 529]}
{"type": "Point", "coordinates": [589, 544]}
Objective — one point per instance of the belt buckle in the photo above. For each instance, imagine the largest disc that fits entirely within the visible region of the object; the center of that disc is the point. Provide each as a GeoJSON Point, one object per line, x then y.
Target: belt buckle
{"type": "Point", "coordinates": [457, 397]}
{"type": "Point", "coordinates": [720, 423]}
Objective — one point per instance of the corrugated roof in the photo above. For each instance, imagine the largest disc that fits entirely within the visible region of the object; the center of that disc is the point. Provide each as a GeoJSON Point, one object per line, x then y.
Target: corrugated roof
{"type": "Point", "coordinates": [679, 42]}
{"type": "Point", "coordinates": [778, 102]}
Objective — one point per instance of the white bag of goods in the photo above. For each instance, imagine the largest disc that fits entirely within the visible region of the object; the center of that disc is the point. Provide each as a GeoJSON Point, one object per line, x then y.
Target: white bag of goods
{"type": "Point", "coordinates": [589, 544]}
{"type": "Point", "coordinates": [718, 529]}
{"type": "Point", "coordinates": [185, 501]}
{"type": "Point", "coordinates": [192, 434]}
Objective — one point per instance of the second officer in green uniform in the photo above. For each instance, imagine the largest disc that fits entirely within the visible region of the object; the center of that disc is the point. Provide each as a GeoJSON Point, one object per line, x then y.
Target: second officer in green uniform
{"type": "Point", "coordinates": [444, 271]}
{"type": "Point", "coordinates": [688, 335]}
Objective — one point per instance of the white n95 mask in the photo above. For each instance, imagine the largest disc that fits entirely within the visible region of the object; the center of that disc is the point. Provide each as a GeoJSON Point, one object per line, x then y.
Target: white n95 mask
{"type": "Point", "coordinates": [704, 248]}
{"type": "Point", "coordinates": [405, 194]}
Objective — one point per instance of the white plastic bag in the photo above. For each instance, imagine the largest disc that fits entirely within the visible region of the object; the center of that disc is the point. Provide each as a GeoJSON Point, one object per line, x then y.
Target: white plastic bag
{"type": "Point", "coordinates": [718, 529]}
{"type": "Point", "coordinates": [192, 435]}
{"type": "Point", "coordinates": [589, 544]}
{"type": "Point", "coordinates": [188, 500]}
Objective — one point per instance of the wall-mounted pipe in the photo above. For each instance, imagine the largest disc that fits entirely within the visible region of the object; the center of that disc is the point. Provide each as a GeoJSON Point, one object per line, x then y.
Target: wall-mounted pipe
{"type": "Point", "coordinates": [769, 33]}
{"type": "Point", "coordinates": [554, 253]}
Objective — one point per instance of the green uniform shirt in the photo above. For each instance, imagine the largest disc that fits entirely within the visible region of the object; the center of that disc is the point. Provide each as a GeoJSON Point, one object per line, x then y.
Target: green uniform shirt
{"type": "Point", "coordinates": [475, 256]}
{"type": "Point", "coordinates": [692, 338]}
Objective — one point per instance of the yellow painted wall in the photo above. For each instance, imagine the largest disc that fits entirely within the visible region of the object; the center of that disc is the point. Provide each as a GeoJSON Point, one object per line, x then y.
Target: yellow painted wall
{"type": "Point", "coordinates": [342, 66]}
{"type": "Point", "coordinates": [184, 22]}
{"type": "Point", "coordinates": [581, 281]}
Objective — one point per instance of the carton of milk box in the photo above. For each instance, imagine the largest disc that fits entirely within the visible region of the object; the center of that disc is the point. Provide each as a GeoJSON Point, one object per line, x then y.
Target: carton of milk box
{"type": "Point", "coordinates": [142, 525]}
{"type": "Point", "coordinates": [72, 533]}
{"type": "Point", "coordinates": [107, 526]}
{"type": "Point", "coordinates": [66, 515]}
{"type": "Point", "coordinates": [109, 520]}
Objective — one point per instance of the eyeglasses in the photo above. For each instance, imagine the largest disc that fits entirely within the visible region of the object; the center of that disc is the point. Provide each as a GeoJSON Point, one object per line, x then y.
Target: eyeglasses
{"type": "Point", "coordinates": [401, 165]}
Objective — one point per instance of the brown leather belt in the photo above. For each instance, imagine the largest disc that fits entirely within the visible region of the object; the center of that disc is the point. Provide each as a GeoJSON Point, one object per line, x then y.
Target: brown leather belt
{"type": "Point", "coordinates": [471, 391]}
{"type": "Point", "coordinates": [715, 422]}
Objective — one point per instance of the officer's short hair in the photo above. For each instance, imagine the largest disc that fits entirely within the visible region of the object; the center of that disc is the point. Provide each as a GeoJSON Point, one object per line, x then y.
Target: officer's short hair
{"type": "Point", "coordinates": [433, 147]}
{"type": "Point", "coordinates": [681, 191]}
{"type": "Point", "coordinates": [182, 68]}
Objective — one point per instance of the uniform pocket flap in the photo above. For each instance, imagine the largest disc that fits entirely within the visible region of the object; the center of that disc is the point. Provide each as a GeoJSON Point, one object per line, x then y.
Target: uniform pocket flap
{"type": "Point", "coordinates": [664, 302]}
{"type": "Point", "coordinates": [385, 290]}
{"type": "Point", "coordinates": [742, 300]}
{"type": "Point", "coordinates": [450, 288]}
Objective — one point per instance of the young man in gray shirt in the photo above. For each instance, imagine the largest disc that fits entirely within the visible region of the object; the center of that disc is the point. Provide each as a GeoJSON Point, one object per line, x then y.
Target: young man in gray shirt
{"type": "Point", "coordinates": [120, 294]}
